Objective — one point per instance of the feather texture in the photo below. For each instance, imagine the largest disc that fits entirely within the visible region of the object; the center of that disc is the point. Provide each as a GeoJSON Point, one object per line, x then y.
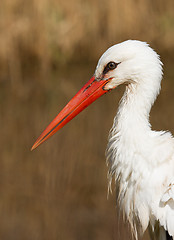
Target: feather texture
{"type": "Point", "coordinates": [141, 160]}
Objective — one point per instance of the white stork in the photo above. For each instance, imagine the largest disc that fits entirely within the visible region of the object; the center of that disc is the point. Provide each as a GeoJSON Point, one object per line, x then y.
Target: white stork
{"type": "Point", "coordinates": [140, 159]}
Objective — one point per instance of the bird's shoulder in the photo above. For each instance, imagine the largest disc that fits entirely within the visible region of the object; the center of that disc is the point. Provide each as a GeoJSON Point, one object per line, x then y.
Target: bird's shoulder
{"type": "Point", "coordinates": [162, 146]}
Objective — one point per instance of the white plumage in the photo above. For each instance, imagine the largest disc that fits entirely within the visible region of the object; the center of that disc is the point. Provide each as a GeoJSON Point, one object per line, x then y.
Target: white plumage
{"type": "Point", "coordinates": [141, 160]}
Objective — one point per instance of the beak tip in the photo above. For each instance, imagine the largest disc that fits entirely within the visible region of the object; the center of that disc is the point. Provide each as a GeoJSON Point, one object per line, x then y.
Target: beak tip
{"type": "Point", "coordinates": [33, 147]}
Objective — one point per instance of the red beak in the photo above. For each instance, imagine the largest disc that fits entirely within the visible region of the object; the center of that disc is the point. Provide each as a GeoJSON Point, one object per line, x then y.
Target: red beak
{"type": "Point", "coordinates": [92, 90]}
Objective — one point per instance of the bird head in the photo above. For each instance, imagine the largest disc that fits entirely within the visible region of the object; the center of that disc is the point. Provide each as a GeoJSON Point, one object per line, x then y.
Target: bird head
{"type": "Point", "coordinates": [129, 62]}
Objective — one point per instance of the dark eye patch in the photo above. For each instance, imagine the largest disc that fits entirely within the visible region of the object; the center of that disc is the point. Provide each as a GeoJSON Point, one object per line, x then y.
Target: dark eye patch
{"type": "Point", "coordinates": [110, 66]}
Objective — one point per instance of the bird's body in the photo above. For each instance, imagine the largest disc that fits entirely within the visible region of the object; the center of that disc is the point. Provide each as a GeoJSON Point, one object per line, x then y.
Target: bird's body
{"type": "Point", "coordinates": [141, 160]}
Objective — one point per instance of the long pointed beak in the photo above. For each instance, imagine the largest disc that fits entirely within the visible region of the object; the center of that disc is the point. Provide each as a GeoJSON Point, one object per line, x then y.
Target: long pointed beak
{"type": "Point", "coordinates": [92, 90]}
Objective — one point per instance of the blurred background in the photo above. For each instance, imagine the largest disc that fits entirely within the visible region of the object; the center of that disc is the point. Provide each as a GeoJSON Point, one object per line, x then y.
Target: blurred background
{"type": "Point", "coordinates": [48, 50]}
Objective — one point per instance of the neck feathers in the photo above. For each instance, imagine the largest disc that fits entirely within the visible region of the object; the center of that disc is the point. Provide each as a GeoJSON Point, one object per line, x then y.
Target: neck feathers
{"type": "Point", "coordinates": [130, 130]}
{"type": "Point", "coordinates": [128, 141]}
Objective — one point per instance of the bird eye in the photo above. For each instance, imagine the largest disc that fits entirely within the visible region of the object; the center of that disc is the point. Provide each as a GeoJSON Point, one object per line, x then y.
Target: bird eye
{"type": "Point", "coordinates": [110, 66]}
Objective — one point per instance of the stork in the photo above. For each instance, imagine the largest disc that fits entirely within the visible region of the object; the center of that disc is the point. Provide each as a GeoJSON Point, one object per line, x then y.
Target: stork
{"type": "Point", "coordinates": [140, 160]}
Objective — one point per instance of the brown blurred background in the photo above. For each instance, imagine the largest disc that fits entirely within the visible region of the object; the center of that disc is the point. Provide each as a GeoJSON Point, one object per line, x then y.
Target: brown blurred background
{"type": "Point", "coordinates": [48, 50]}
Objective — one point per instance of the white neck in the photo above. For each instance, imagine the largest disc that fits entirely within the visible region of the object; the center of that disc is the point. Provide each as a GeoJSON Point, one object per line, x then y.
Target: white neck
{"type": "Point", "coordinates": [130, 131]}
{"type": "Point", "coordinates": [128, 145]}
{"type": "Point", "coordinates": [134, 109]}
